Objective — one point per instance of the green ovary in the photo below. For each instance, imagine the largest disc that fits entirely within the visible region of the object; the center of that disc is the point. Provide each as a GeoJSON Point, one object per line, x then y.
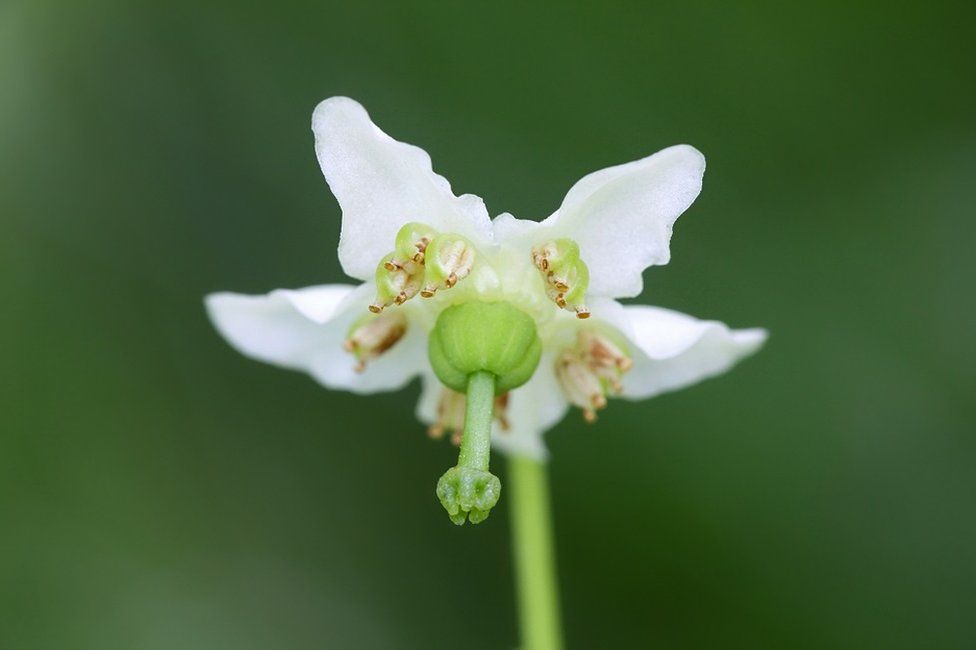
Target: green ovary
{"type": "Point", "coordinates": [482, 349]}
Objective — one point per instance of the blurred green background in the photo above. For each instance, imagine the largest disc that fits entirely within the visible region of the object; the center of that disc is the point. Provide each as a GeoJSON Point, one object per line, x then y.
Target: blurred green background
{"type": "Point", "coordinates": [160, 491]}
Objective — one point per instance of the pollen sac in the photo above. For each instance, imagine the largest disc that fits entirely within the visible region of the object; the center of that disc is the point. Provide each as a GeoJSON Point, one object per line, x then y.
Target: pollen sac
{"type": "Point", "coordinates": [371, 336]}
{"type": "Point", "coordinates": [411, 245]}
{"type": "Point", "coordinates": [580, 384]}
{"type": "Point", "coordinates": [605, 356]}
{"type": "Point", "coordinates": [566, 274]}
{"type": "Point", "coordinates": [448, 259]}
{"type": "Point", "coordinates": [450, 415]}
{"type": "Point", "coordinates": [592, 370]}
{"type": "Point", "coordinates": [396, 283]}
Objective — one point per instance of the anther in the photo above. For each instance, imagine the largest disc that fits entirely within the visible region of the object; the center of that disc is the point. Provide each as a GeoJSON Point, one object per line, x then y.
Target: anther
{"type": "Point", "coordinates": [603, 352]}
{"type": "Point", "coordinates": [371, 336]}
{"type": "Point", "coordinates": [448, 259]}
{"type": "Point", "coordinates": [398, 285]}
{"type": "Point", "coordinates": [593, 369]}
{"type": "Point", "coordinates": [542, 253]}
{"type": "Point", "coordinates": [409, 266]}
{"type": "Point", "coordinates": [501, 411]}
{"type": "Point", "coordinates": [565, 273]}
{"type": "Point", "coordinates": [450, 415]}
{"type": "Point", "coordinates": [411, 243]}
{"type": "Point", "coordinates": [580, 384]}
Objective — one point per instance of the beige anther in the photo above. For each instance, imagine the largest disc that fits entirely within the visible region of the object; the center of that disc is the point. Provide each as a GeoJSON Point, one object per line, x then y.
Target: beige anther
{"type": "Point", "coordinates": [591, 370]}
{"type": "Point", "coordinates": [450, 415]}
{"type": "Point", "coordinates": [373, 336]}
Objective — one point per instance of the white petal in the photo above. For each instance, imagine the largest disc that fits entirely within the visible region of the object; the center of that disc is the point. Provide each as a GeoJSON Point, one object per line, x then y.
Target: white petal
{"type": "Point", "coordinates": [382, 184]}
{"type": "Point", "coordinates": [672, 350]}
{"type": "Point", "coordinates": [512, 231]}
{"type": "Point", "coordinates": [621, 217]}
{"type": "Point", "coordinates": [430, 396]}
{"type": "Point", "coordinates": [304, 330]}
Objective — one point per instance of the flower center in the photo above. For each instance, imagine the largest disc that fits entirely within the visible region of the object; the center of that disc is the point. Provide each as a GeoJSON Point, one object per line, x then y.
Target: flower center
{"type": "Point", "coordinates": [591, 370]}
{"type": "Point", "coordinates": [429, 263]}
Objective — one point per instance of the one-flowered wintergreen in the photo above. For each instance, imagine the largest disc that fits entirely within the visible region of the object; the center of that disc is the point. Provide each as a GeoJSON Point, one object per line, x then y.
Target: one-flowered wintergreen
{"type": "Point", "coordinates": [423, 253]}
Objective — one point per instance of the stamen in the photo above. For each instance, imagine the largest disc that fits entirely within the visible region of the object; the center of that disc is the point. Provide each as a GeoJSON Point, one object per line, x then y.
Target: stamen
{"type": "Point", "coordinates": [400, 275]}
{"type": "Point", "coordinates": [500, 412]}
{"type": "Point", "coordinates": [592, 369]}
{"type": "Point", "coordinates": [450, 415]}
{"type": "Point", "coordinates": [448, 259]}
{"type": "Point", "coordinates": [396, 282]}
{"type": "Point", "coordinates": [581, 386]}
{"type": "Point", "coordinates": [542, 253]}
{"type": "Point", "coordinates": [411, 243]}
{"type": "Point", "coordinates": [371, 336]}
{"type": "Point", "coordinates": [565, 273]}
{"type": "Point", "coordinates": [604, 352]}
{"type": "Point", "coordinates": [409, 266]}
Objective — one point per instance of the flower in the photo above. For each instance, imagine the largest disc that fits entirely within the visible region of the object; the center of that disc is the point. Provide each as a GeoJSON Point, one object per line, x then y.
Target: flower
{"type": "Point", "coordinates": [419, 249]}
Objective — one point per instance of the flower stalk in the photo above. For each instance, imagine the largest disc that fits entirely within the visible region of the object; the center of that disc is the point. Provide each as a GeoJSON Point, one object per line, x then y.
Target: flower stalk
{"type": "Point", "coordinates": [535, 565]}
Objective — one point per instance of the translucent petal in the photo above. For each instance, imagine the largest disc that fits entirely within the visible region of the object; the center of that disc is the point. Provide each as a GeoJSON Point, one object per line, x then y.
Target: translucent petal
{"type": "Point", "coordinates": [304, 330]}
{"type": "Point", "coordinates": [672, 350]}
{"type": "Point", "coordinates": [381, 184]}
{"type": "Point", "coordinates": [620, 216]}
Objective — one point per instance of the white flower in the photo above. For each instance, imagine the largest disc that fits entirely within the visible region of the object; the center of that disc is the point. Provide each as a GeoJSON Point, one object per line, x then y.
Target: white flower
{"type": "Point", "coordinates": [564, 272]}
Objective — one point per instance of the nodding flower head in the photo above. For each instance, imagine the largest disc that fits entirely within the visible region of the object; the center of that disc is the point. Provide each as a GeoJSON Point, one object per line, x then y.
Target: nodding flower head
{"type": "Point", "coordinates": [515, 320]}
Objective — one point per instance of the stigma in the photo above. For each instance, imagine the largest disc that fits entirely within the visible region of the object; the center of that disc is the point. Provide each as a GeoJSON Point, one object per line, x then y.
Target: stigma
{"type": "Point", "coordinates": [371, 336]}
{"type": "Point", "coordinates": [565, 273]}
{"type": "Point", "coordinates": [592, 370]}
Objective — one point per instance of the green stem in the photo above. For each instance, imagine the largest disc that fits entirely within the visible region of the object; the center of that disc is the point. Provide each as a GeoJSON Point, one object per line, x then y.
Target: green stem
{"type": "Point", "coordinates": [534, 557]}
{"type": "Point", "coordinates": [478, 413]}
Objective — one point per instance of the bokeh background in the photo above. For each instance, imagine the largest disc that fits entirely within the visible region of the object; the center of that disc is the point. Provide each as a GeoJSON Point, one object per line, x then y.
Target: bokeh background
{"type": "Point", "coordinates": [160, 491]}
